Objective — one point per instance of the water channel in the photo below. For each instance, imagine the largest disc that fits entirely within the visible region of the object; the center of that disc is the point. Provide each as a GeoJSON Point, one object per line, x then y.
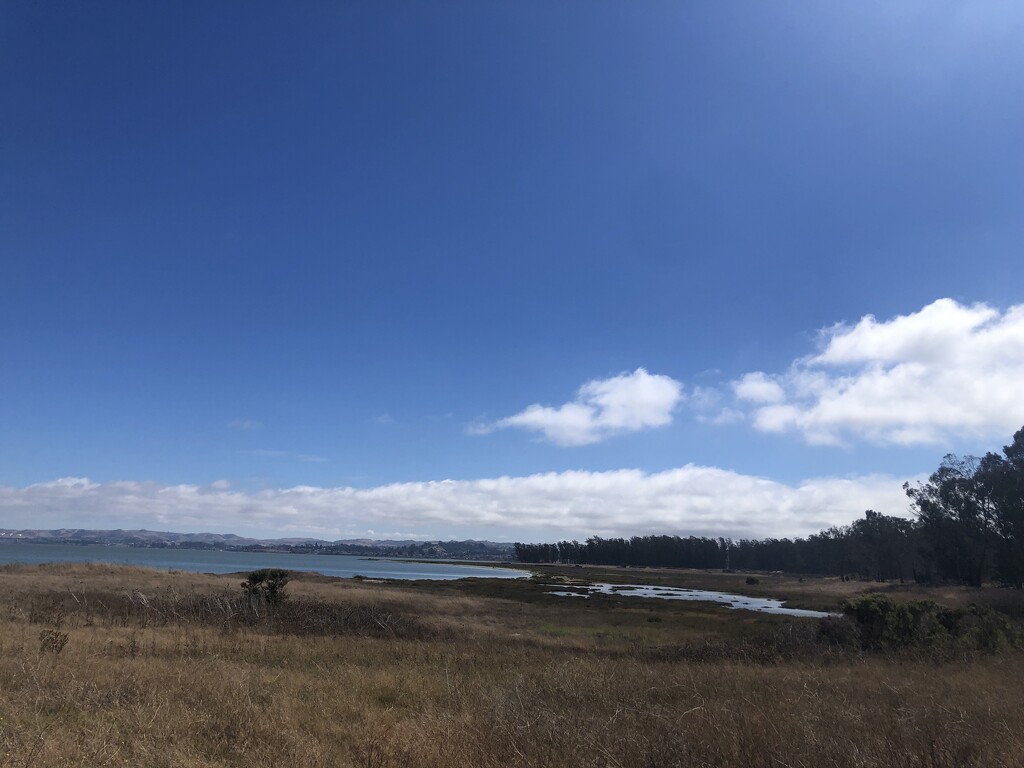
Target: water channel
{"type": "Point", "coordinates": [761, 604]}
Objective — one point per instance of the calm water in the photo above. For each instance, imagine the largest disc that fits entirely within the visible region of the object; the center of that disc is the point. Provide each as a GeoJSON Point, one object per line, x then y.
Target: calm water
{"type": "Point", "coordinates": [212, 561]}
{"type": "Point", "coordinates": [762, 604]}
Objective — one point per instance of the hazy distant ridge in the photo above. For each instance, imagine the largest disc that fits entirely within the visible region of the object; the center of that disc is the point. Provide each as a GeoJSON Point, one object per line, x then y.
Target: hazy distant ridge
{"type": "Point", "coordinates": [469, 549]}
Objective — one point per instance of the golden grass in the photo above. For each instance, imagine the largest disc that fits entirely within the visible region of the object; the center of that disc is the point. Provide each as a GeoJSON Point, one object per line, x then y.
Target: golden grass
{"type": "Point", "coordinates": [490, 682]}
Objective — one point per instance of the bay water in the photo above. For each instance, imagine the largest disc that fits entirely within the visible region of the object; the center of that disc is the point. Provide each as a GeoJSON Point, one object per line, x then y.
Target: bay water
{"type": "Point", "coordinates": [230, 561]}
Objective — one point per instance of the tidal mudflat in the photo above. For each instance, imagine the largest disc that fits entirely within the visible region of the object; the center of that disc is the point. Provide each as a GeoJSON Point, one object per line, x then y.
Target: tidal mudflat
{"type": "Point", "coordinates": [759, 604]}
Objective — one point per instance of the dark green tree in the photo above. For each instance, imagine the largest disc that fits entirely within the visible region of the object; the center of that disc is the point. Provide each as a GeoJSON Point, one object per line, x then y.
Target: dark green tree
{"type": "Point", "coordinates": [1003, 478]}
{"type": "Point", "coordinates": [881, 546]}
{"type": "Point", "coordinates": [971, 517]}
{"type": "Point", "coordinates": [266, 586]}
{"type": "Point", "coordinates": [957, 517]}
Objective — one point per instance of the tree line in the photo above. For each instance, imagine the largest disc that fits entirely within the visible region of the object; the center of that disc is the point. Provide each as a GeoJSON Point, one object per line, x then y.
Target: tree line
{"type": "Point", "coordinates": [967, 528]}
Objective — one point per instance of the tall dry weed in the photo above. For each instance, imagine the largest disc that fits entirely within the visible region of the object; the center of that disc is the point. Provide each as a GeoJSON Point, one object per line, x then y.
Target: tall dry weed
{"type": "Point", "coordinates": [163, 681]}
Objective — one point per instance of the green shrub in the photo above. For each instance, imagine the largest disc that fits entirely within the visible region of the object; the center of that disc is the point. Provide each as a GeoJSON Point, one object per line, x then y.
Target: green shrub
{"type": "Point", "coordinates": [267, 585]}
{"type": "Point", "coordinates": [838, 632]}
{"type": "Point", "coordinates": [884, 624]}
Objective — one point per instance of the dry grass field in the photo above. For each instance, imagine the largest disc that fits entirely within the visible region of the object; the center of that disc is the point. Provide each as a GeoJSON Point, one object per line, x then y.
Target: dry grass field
{"type": "Point", "coordinates": [116, 666]}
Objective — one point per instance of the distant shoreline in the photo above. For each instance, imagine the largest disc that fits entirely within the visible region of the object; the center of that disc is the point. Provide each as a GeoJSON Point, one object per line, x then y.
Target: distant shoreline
{"type": "Point", "coordinates": [466, 550]}
{"type": "Point", "coordinates": [221, 561]}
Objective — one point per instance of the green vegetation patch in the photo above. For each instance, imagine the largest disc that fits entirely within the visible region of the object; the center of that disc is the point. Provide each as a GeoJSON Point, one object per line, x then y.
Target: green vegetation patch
{"type": "Point", "coordinates": [884, 624]}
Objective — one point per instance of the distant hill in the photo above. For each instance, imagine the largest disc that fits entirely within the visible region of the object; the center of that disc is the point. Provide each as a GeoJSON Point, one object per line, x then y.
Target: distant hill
{"type": "Point", "coordinates": [448, 550]}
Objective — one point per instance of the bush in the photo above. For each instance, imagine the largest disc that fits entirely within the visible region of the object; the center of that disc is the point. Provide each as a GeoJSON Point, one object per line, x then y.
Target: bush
{"type": "Point", "coordinates": [753, 580]}
{"type": "Point", "coordinates": [267, 585]}
{"type": "Point", "coordinates": [838, 632]}
{"type": "Point", "coordinates": [883, 624]}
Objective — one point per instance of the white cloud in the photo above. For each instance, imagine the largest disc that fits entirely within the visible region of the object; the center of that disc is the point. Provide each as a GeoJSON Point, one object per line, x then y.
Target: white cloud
{"type": "Point", "coordinates": [946, 371]}
{"type": "Point", "coordinates": [628, 402]}
{"type": "Point", "coordinates": [758, 388]}
{"type": "Point", "coordinates": [724, 416]}
{"type": "Point", "coordinates": [687, 500]}
{"type": "Point", "coordinates": [706, 405]}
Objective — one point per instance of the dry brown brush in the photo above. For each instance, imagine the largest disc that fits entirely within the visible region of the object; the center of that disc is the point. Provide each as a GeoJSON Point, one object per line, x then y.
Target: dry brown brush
{"type": "Point", "coordinates": [365, 677]}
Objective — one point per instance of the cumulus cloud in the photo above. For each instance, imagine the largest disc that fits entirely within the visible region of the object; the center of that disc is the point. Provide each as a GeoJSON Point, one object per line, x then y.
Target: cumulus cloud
{"type": "Point", "coordinates": [947, 371]}
{"type": "Point", "coordinates": [628, 402]}
{"type": "Point", "coordinates": [688, 500]}
{"type": "Point", "coordinates": [758, 388]}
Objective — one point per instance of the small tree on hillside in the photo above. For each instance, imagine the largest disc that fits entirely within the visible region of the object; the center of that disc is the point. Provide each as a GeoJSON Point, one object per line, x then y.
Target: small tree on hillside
{"type": "Point", "coordinates": [266, 586]}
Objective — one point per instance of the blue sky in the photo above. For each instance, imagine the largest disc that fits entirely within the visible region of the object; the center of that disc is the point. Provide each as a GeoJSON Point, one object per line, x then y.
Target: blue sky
{"type": "Point", "coordinates": [624, 256]}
